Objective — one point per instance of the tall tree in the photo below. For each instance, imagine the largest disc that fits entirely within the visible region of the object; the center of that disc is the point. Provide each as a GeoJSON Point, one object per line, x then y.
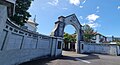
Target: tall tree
{"type": "Point", "coordinates": [21, 14]}
{"type": "Point", "coordinates": [88, 33]}
{"type": "Point", "coordinates": [73, 38]}
{"type": "Point", "coordinates": [66, 38]}
{"type": "Point", "coordinates": [69, 38]}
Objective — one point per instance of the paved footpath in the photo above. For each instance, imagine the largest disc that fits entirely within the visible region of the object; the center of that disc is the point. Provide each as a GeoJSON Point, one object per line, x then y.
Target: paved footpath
{"type": "Point", "coordinates": [71, 58]}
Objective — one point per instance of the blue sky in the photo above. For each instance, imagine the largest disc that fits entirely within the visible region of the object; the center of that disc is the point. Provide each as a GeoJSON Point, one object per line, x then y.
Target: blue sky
{"type": "Point", "coordinates": [102, 15]}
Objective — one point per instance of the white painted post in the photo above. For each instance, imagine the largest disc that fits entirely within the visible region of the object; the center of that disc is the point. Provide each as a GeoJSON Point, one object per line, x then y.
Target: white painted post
{"type": "Point", "coordinates": [68, 46]}
{"type": "Point", "coordinates": [118, 50]}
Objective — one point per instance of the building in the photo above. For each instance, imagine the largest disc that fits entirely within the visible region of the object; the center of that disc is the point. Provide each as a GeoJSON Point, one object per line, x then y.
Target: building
{"type": "Point", "coordinates": [113, 39]}
{"type": "Point", "coordinates": [109, 39]}
{"type": "Point", "coordinates": [31, 25]}
{"type": "Point", "coordinates": [98, 38]}
{"type": "Point", "coordinates": [116, 38]}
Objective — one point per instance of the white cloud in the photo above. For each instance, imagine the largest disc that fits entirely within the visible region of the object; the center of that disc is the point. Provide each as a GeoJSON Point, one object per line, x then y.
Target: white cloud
{"type": "Point", "coordinates": [83, 24]}
{"type": "Point", "coordinates": [97, 7]}
{"type": "Point", "coordinates": [81, 17]}
{"type": "Point", "coordinates": [54, 2]}
{"type": "Point", "coordinates": [93, 25]}
{"type": "Point", "coordinates": [97, 11]}
{"type": "Point", "coordinates": [64, 8]}
{"type": "Point", "coordinates": [118, 7]}
{"type": "Point", "coordinates": [84, 1]}
{"type": "Point", "coordinates": [81, 6]}
{"type": "Point", "coordinates": [92, 17]}
{"type": "Point", "coordinates": [74, 2]}
{"type": "Point", "coordinates": [77, 2]}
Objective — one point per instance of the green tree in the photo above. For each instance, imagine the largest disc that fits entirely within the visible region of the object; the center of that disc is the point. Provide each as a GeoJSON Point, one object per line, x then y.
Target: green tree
{"type": "Point", "coordinates": [21, 14]}
{"type": "Point", "coordinates": [66, 38]}
{"type": "Point", "coordinates": [69, 38]}
{"type": "Point", "coordinates": [73, 38]}
{"type": "Point", "coordinates": [88, 33]}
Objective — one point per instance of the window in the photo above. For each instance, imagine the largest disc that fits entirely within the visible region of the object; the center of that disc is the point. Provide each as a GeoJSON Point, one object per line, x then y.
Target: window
{"type": "Point", "coordinates": [59, 45]}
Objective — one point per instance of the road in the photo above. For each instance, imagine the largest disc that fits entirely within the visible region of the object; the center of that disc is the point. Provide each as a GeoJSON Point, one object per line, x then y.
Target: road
{"type": "Point", "coordinates": [71, 58]}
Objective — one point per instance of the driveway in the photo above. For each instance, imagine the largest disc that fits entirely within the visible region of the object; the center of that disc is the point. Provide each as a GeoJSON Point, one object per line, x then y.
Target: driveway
{"type": "Point", "coordinates": [71, 58]}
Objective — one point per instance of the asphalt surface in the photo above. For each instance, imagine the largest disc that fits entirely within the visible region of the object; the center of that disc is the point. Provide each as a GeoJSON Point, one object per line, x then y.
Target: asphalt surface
{"type": "Point", "coordinates": [71, 58]}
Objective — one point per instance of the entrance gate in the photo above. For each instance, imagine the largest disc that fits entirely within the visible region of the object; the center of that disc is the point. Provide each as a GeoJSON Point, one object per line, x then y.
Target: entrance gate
{"type": "Point", "coordinates": [58, 30]}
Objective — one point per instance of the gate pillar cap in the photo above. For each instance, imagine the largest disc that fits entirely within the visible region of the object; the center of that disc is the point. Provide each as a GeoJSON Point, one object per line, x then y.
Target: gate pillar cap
{"type": "Point", "coordinates": [61, 17]}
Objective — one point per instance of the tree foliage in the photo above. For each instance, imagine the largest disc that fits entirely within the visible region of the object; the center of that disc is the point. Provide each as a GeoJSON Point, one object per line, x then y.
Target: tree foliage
{"type": "Point", "coordinates": [66, 38]}
{"type": "Point", "coordinates": [88, 33]}
{"type": "Point", "coordinates": [69, 38]}
{"type": "Point", "coordinates": [21, 14]}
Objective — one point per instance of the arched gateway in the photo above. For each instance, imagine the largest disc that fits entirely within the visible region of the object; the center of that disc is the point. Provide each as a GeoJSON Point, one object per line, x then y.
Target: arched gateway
{"type": "Point", "coordinates": [58, 30]}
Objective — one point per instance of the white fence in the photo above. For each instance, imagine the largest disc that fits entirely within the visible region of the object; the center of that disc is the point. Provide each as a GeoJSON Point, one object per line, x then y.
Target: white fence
{"type": "Point", "coordinates": [111, 49]}
{"type": "Point", "coordinates": [18, 45]}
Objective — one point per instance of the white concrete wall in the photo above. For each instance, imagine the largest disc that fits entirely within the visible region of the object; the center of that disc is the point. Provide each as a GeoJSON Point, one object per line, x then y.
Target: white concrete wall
{"type": "Point", "coordinates": [100, 48]}
{"type": "Point", "coordinates": [3, 18]}
{"type": "Point", "coordinates": [18, 45]}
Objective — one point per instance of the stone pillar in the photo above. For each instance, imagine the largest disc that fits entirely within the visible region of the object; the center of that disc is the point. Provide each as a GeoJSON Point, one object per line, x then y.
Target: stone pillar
{"type": "Point", "coordinates": [79, 38]}
{"type": "Point", "coordinates": [78, 43]}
